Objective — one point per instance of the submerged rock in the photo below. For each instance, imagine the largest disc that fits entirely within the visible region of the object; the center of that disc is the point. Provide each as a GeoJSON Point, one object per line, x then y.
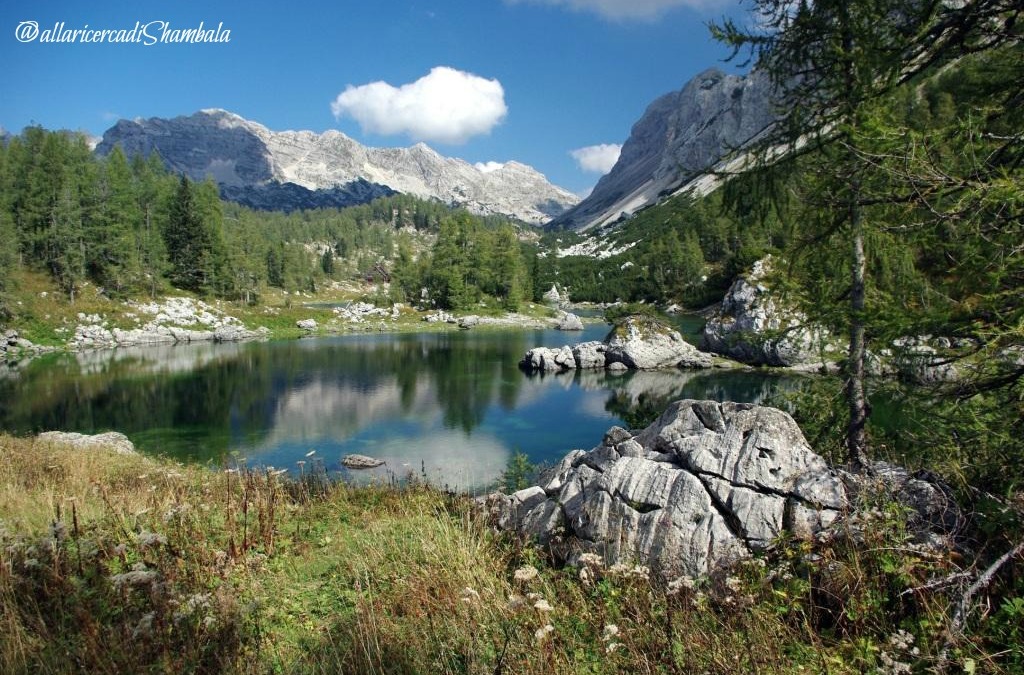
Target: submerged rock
{"type": "Point", "coordinates": [112, 441]}
{"type": "Point", "coordinates": [705, 484]}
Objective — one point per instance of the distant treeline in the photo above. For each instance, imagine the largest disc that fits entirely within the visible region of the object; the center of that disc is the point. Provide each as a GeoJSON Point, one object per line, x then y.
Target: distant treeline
{"type": "Point", "coordinates": [132, 227]}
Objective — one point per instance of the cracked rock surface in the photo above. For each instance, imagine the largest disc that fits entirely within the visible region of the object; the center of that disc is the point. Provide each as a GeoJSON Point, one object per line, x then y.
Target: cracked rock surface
{"type": "Point", "coordinates": [707, 483]}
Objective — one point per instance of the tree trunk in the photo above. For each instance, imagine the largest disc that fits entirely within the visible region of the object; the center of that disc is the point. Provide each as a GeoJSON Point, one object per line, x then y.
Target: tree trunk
{"type": "Point", "coordinates": [856, 432]}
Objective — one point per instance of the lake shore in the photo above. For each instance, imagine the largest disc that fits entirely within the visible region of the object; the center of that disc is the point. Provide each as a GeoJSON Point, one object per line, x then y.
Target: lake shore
{"type": "Point", "coordinates": [135, 563]}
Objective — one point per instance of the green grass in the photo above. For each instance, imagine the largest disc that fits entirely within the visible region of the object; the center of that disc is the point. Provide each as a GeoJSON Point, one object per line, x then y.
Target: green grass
{"type": "Point", "coordinates": [132, 564]}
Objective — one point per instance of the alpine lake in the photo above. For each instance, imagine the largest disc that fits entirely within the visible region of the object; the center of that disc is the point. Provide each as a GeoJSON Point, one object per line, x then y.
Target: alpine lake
{"type": "Point", "coordinates": [451, 407]}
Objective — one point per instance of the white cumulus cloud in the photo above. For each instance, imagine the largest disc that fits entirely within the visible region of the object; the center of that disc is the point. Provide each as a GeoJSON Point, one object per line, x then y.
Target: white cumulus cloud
{"type": "Point", "coordinates": [626, 9]}
{"type": "Point", "coordinates": [488, 167]}
{"type": "Point", "coordinates": [446, 106]}
{"type": "Point", "coordinates": [597, 158]}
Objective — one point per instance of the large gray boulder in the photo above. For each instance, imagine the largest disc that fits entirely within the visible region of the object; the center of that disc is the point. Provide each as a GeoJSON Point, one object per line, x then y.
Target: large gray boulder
{"type": "Point", "coordinates": [705, 484]}
{"type": "Point", "coordinates": [641, 343]}
{"type": "Point", "coordinates": [569, 321]}
{"type": "Point", "coordinates": [546, 360]}
{"type": "Point", "coordinates": [111, 441]}
{"type": "Point", "coordinates": [753, 326]}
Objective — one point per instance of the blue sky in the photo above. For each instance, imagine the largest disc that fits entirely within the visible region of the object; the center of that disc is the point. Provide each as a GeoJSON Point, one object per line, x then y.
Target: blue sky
{"type": "Point", "coordinates": [526, 80]}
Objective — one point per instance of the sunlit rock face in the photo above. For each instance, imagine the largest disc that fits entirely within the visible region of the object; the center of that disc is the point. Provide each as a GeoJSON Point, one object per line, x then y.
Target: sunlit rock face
{"type": "Point", "coordinates": [288, 170]}
{"type": "Point", "coordinates": [679, 138]}
{"type": "Point", "coordinates": [706, 483]}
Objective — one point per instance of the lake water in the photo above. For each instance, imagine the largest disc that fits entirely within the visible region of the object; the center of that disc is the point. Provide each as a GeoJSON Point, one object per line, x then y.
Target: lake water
{"type": "Point", "coordinates": [454, 406]}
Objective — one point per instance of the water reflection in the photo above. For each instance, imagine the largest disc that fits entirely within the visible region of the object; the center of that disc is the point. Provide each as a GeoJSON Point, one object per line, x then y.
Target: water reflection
{"type": "Point", "coordinates": [451, 406]}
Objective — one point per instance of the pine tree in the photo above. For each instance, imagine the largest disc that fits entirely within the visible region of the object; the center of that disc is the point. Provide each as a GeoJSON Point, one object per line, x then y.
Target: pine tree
{"type": "Point", "coordinates": [153, 196]}
{"type": "Point", "coordinates": [114, 257]}
{"type": "Point", "coordinates": [186, 240]}
{"type": "Point", "coordinates": [65, 241]}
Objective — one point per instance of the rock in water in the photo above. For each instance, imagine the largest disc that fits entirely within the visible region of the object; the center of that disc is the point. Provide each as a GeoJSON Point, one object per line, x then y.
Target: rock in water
{"type": "Point", "coordinates": [361, 462]}
{"type": "Point", "coordinates": [638, 343]}
{"type": "Point", "coordinates": [306, 324]}
{"type": "Point", "coordinates": [642, 344]}
{"type": "Point", "coordinates": [569, 321]}
{"type": "Point", "coordinates": [707, 483]}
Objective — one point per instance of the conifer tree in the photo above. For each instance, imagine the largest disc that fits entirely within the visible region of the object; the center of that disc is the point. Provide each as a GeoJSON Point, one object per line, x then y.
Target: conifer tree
{"type": "Point", "coordinates": [831, 61]}
{"type": "Point", "coordinates": [186, 240]}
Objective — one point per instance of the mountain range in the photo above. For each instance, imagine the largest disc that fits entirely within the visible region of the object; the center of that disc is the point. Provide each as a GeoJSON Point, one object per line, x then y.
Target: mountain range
{"type": "Point", "coordinates": [680, 138]}
{"type": "Point", "coordinates": [288, 170]}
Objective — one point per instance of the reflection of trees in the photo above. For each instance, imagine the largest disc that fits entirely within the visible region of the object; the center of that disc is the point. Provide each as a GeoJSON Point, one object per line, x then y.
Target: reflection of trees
{"type": "Point", "coordinates": [208, 398]}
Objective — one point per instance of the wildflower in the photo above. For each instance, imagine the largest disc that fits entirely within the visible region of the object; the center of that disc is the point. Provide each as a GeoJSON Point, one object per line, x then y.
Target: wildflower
{"type": "Point", "coordinates": [516, 602]}
{"type": "Point", "coordinates": [543, 605]}
{"type": "Point", "coordinates": [610, 631]}
{"type": "Point", "coordinates": [469, 595]}
{"type": "Point", "coordinates": [542, 633]}
{"type": "Point", "coordinates": [891, 666]}
{"type": "Point", "coordinates": [612, 646]}
{"type": "Point", "coordinates": [591, 560]}
{"type": "Point", "coordinates": [639, 572]}
{"type": "Point", "coordinates": [733, 584]}
{"type": "Point", "coordinates": [586, 576]}
{"type": "Point", "coordinates": [618, 569]}
{"type": "Point", "coordinates": [533, 597]}
{"type": "Point", "coordinates": [901, 640]}
{"type": "Point", "coordinates": [525, 573]}
{"type": "Point", "coordinates": [682, 582]}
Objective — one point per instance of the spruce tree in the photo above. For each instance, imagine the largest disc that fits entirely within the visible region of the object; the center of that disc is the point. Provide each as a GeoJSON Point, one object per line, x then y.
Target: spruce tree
{"type": "Point", "coordinates": [186, 240]}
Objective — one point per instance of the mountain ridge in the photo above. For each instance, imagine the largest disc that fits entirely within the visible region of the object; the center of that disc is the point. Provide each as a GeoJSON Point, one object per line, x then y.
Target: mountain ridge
{"type": "Point", "coordinates": [679, 138]}
{"type": "Point", "coordinates": [253, 164]}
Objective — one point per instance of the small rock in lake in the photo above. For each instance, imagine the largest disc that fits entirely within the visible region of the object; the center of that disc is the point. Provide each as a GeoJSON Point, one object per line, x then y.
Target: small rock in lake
{"type": "Point", "coordinates": [361, 462]}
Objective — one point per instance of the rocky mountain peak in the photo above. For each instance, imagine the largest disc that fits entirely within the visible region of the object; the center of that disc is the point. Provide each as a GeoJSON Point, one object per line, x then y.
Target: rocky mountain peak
{"type": "Point", "coordinates": [679, 137]}
{"type": "Point", "coordinates": [304, 169]}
